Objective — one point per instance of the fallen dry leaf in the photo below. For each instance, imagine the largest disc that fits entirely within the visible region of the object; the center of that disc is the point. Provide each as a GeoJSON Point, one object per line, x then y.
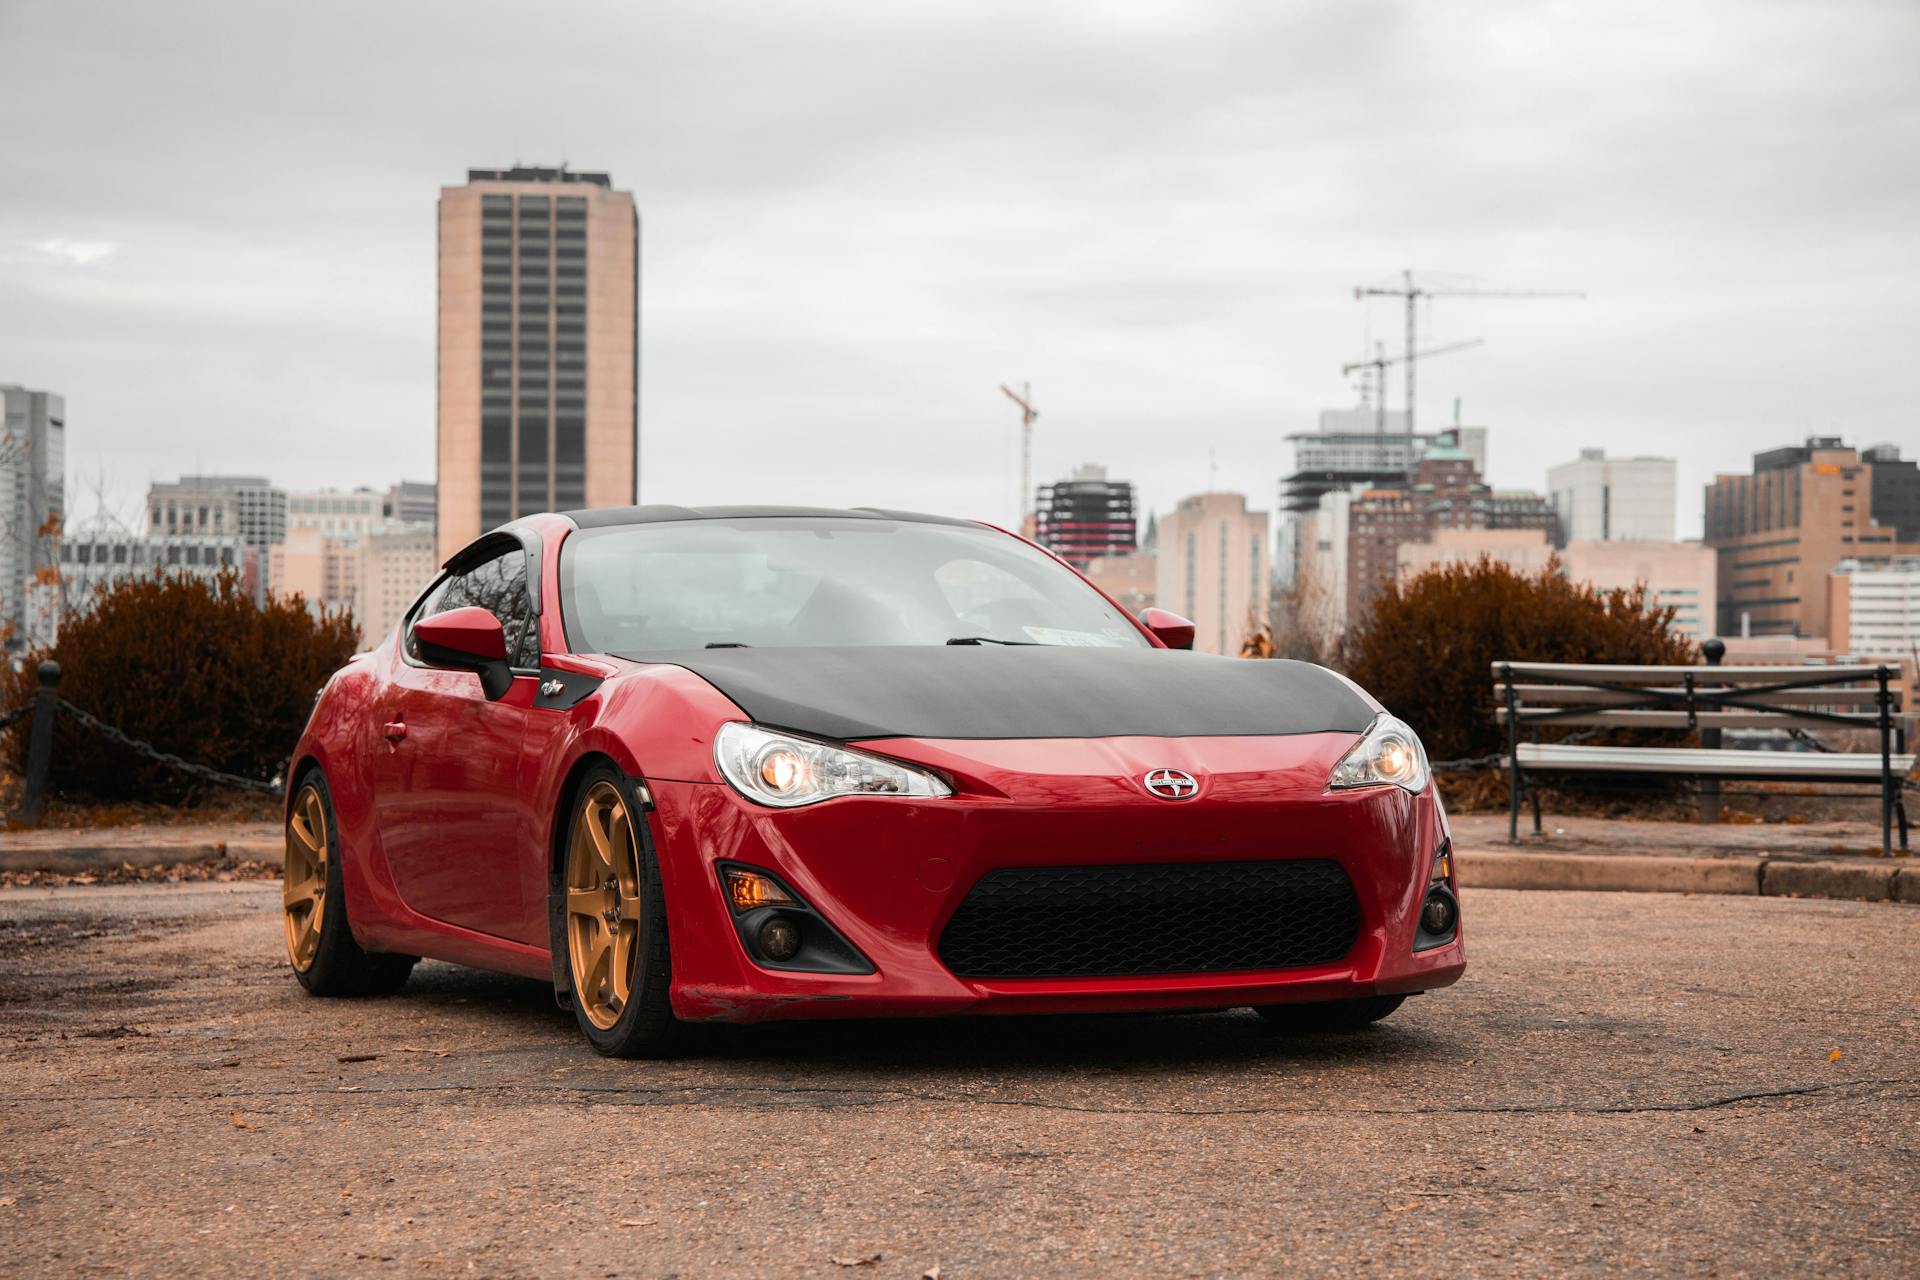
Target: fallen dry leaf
{"type": "Point", "coordinates": [357, 1057]}
{"type": "Point", "coordinates": [931, 1273]}
{"type": "Point", "coordinates": [865, 1260]}
{"type": "Point", "coordinates": [241, 1122]}
{"type": "Point", "coordinates": [1834, 1056]}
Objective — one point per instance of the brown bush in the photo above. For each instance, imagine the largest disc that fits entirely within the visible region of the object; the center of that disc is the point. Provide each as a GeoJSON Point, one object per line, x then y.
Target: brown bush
{"type": "Point", "coordinates": [1427, 646]}
{"type": "Point", "coordinates": [194, 667]}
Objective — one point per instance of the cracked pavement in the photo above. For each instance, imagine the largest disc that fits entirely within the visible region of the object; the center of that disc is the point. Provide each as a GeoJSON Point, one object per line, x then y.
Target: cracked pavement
{"type": "Point", "coordinates": [1622, 1082]}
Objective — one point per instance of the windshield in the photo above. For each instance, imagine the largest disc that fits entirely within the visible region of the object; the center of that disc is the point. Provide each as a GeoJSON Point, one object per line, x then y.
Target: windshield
{"type": "Point", "coordinates": [817, 581]}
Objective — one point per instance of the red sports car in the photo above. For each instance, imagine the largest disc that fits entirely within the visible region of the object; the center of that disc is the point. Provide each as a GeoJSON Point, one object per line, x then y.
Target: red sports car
{"type": "Point", "coordinates": [736, 763]}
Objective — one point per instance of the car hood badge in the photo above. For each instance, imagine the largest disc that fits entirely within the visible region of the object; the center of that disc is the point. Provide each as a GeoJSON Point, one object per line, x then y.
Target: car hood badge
{"type": "Point", "coordinates": [1170, 784]}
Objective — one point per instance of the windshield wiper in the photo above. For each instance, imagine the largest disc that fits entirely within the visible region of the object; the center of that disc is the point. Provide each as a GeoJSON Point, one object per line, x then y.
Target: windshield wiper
{"type": "Point", "coordinates": [990, 640]}
{"type": "Point", "coordinates": [728, 644]}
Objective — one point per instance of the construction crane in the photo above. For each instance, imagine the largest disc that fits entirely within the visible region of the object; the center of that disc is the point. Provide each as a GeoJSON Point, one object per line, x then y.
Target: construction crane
{"type": "Point", "coordinates": [1028, 414]}
{"type": "Point", "coordinates": [1413, 293]}
{"type": "Point", "coordinates": [1378, 381]}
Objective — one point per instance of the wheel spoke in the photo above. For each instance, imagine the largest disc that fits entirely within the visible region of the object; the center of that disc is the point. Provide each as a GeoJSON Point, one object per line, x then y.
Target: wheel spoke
{"type": "Point", "coordinates": [630, 909]}
{"type": "Point", "coordinates": [592, 820]}
{"type": "Point", "coordinates": [599, 952]}
{"type": "Point", "coordinates": [620, 964]}
{"type": "Point", "coordinates": [588, 902]}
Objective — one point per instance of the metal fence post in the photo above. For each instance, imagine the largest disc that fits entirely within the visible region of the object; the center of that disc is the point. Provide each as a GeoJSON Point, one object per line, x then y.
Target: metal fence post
{"type": "Point", "coordinates": [1514, 777]}
{"type": "Point", "coordinates": [46, 707]}
{"type": "Point", "coordinates": [1713, 649]}
{"type": "Point", "coordinates": [1889, 785]}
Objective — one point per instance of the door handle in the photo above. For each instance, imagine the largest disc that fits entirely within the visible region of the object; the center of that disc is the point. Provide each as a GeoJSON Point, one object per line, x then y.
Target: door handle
{"type": "Point", "coordinates": [395, 730]}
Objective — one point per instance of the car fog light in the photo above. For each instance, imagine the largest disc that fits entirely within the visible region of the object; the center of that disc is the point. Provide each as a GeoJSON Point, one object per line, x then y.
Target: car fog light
{"type": "Point", "coordinates": [779, 939]}
{"type": "Point", "coordinates": [1438, 915]}
{"type": "Point", "coordinates": [749, 889]}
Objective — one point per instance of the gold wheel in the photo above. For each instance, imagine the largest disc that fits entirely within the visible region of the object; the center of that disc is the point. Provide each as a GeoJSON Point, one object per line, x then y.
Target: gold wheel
{"type": "Point", "coordinates": [603, 904]}
{"type": "Point", "coordinates": [303, 895]}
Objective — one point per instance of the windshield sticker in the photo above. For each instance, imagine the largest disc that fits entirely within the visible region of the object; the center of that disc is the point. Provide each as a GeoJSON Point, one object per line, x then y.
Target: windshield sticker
{"type": "Point", "coordinates": [1084, 639]}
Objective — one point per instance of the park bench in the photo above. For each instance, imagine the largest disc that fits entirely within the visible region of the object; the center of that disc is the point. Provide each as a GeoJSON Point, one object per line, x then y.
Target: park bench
{"type": "Point", "coordinates": [1708, 700]}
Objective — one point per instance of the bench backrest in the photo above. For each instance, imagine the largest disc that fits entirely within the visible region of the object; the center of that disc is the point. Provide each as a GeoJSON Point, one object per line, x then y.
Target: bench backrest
{"type": "Point", "coordinates": [1687, 697]}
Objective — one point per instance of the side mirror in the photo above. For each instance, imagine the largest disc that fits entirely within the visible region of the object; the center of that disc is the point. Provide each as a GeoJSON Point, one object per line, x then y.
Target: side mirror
{"type": "Point", "coordinates": [467, 639]}
{"type": "Point", "coordinates": [1171, 629]}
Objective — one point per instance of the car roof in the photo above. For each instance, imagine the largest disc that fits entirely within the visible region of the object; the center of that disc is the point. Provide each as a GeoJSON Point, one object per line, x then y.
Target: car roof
{"type": "Point", "coordinates": [605, 517]}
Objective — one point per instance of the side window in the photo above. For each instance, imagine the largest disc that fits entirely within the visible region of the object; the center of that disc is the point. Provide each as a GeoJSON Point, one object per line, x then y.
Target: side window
{"type": "Point", "coordinates": [499, 586]}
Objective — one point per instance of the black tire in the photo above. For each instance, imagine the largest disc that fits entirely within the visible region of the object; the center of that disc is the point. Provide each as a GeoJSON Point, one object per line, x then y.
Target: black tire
{"type": "Point", "coordinates": [645, 1026]}
{"type": "Point", "coordinates": [339, 967]}
{"type": "Point", "coordinates": [1330, 1015]}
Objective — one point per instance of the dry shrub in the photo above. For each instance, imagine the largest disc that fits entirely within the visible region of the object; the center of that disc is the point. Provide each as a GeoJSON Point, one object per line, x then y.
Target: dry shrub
{"type": "Point", "coordinates": [194, 667]}
{"type": "Point", "coordinates": [1427, 646]}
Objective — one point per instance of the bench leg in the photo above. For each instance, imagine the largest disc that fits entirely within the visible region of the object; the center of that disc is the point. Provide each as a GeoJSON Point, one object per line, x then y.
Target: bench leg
{"type": "Point", "coordinates": [1533, 795]}
{"type": "Point", "coordinates": [1515, 780]}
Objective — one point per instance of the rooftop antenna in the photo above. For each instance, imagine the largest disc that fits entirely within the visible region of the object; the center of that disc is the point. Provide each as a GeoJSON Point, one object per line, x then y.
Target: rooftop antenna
{"type": "Point", "coordinates": [1028, 414]}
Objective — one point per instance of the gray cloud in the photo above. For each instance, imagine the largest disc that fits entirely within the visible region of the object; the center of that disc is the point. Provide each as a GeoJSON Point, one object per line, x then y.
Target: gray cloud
{"type": "Point", "coordinates": [860, 218]}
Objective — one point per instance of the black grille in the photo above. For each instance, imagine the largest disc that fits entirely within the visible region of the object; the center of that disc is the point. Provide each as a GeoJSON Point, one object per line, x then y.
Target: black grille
{"type": "Point", "coordinates": [1098, 922]}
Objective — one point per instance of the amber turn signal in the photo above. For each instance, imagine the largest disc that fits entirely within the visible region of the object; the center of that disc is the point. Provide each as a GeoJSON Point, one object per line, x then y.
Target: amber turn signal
{"type": "Point", "coordinates": [747, 890]}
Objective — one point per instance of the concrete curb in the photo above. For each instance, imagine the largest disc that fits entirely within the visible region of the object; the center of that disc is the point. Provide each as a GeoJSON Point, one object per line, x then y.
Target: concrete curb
{"type": "Point", "coordinates": [80, 858]}
{"type": "Point", "coordinates": [1769, 877]}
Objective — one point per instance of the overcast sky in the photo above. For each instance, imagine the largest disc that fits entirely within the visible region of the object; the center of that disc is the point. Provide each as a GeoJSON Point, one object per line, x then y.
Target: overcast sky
{"type": "Point", "coordinates": [217, 229]}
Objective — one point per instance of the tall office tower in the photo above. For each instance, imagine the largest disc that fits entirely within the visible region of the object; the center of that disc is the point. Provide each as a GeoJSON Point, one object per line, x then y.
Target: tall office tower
{"type": "Point", "coordinates": [539, 348]}
{"type": "Point", "coordinates": [33, 464]}
{"type": "Point", "coordinates": [1213, 568]}
{"type": "Point", "coordinates": [1781, 530]}
{"type": "Point", "coordinates": [1602, 499]}
{"type": "Point", "coordinates": [1085, 517]}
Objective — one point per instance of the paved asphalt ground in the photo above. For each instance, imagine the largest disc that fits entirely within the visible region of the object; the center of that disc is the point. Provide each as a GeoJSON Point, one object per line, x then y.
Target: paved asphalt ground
{"type": "Point", "coordinates": [1623, 1082]}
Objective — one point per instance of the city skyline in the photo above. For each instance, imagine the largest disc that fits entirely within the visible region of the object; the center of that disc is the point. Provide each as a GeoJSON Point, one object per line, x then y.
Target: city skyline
{"type": "Point", "coordinates": [1164, 245]}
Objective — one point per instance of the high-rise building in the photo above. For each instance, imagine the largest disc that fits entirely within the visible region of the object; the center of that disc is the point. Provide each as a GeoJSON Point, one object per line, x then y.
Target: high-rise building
{"type": "Point", "coordinates": [1781, 530]}
{"type": "Point", "coordinates": [396, 564]}
{"type": "Point", "coordinates": [33, 465]}
{"type": "Point", "coordinates": [1895, 491]}
{"type": "Point", "coordinates": [337, 513]}
{"type": "Point", "coordinates": [104, 554]}
{"type": "Point", "coordinates": [1346, 453]}
{"type": "Point", "coordinates": [1213, 569]}
{"type": "Point", "coordinates": [1525, 551]}
{"type": "Point", "coordinates": [1875, 609]}
{"type": "Point", "coordinates": [251, 506]}
{"type": "Point", "coordinates": [410, 502]}
{"type": "Point", "coordinates": [1444, 492]}
{"type": "Point", "coordinates": [539, 348]}
{"type": "Point", "coordinates": [1599, 498]}
{"type": "Point", "coordinates": [1683, 575]}
{"type": "Point", "coordinates": [1086, 516]}
{"type": "Point", "coordinates": [321, 568]}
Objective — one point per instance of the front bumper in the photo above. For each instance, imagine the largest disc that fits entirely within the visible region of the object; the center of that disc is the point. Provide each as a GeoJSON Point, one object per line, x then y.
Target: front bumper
{"type": "Point", "coordinates": [889, 874]}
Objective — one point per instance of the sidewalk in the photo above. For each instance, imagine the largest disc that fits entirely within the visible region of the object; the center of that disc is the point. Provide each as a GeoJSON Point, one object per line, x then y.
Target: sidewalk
{"type": "Point", "coordinates": [1812, 860]}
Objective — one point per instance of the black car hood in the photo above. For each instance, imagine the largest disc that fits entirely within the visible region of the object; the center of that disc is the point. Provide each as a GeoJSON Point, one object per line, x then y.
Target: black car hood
{"type": "Point", "coordinates": [995, 691]}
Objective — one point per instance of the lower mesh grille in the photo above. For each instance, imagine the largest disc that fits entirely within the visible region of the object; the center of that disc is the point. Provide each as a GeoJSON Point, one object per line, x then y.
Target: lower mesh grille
{"type": "Point", "coordinates": [1099, 922]}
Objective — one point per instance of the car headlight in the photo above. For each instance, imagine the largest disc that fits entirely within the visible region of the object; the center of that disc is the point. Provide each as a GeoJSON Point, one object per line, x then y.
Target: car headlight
{"type": "Point", "coordinates": [1389, 753]}
{"type": "Point", "coordinates": [784, 771]}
